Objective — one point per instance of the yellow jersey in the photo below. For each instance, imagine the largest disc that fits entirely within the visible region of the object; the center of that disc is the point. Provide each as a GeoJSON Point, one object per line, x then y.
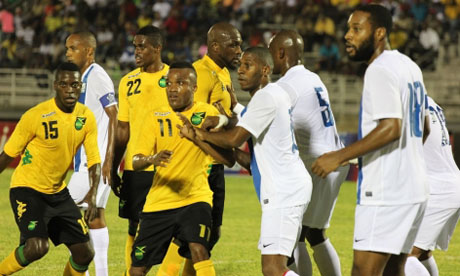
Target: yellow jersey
{"type": "Point", "coordinates": [48, 139]}
{"type": "Point", "coordinates": [185, 179]}
{"type": "Point", "coordinates": [212, 82]}
{"type": "Point", "coordinates": [138, 93]}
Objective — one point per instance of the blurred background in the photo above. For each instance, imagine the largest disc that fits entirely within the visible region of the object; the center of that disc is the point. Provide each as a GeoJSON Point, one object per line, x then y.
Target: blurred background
{"type": "Point", "coordinates": [33, 33]}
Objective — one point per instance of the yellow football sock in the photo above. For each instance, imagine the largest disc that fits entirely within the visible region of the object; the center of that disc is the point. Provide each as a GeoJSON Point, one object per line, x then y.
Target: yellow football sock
{"type": "Point", "coordinates": [171, 262]}
{"type": "Point", "coordinates": [188, 268]}
{"type": "Point", "coordinates": [128, 249]}
{"type": "Point", "coordinates": [73, 269]}
{"type": "Point", "coordinates": [10, 264]}
{"type": "Point", "coordinates": [204, 268]}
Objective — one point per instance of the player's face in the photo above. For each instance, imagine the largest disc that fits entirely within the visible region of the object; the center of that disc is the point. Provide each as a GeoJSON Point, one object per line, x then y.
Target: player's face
{"type": "Point", "coordinates": [76, 51]}
{"type": "Point", "coordinates": [68, 87]}
{"type": "Point", "coordinates": [180, 86]}
{"type": "Point", "coordinates": [231, 49]}
{"type": "Point", "coordinates": [144, 52]}
{"type": "Point", "coordinates": [359, 38]}
{"type": "Point", "coordinates": [250, 73]}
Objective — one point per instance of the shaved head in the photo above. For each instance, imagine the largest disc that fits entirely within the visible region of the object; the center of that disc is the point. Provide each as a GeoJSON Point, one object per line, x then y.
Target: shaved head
{"type": "Point", "coordinates": [224, 45]}
{"type": "Point", "coordinates": [286, 48]}
{"type": "Point", "coordinates": [87, 38]}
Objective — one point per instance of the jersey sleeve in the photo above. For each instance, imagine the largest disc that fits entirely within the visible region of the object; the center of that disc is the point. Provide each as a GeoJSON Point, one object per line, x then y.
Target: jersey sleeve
{"type": "Point", "coordinates": [21, 136]}
{"type": "Point", "coordinates": [383, 92]}
{"type": "Point", "coordinates": [123, 107]}
{"type": "Point", "coordinates": [260, 112]}
{"type": "Point", "coordinates": [146, 140]}
{"type": "Point", "coordinates": [90, 142]}
{"type": "Point", "coordinates": [103, 88]}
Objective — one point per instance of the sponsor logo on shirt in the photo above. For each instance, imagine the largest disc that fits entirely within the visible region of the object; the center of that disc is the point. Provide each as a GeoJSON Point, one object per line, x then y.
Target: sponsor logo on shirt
{"type": "Point", "coordinates": [48, 114]}
{"type": "Point", "coordinates": [197, 118]}
{"type": "Point", "coordinates": [162, 113]}
{"type": "Point", "coordinates": [80, 122]}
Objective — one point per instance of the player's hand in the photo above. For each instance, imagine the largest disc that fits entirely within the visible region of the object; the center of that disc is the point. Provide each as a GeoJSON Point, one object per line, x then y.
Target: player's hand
{"type": "Point", "coordinates": [107, 171]}
{"type": "Point", "coordinates": [210, 123]}
{"type": "Point", "coordinates": [326, 163]}
{"type": "Point", "coordinates": [116, 184]}
{"type": "Point", "coordinates": [233, 99]}
{"type": "Point", "coordinates": [200, 134]}
{"type": "Point", "coordinates": [162, 158]}
{"type": "Point", "coordinates": [90, 198]}
{"type": "Point", "coordinates": [186, 130]}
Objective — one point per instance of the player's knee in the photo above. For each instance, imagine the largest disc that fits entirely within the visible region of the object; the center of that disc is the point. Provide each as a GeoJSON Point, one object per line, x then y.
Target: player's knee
{"type": "Point", "coordinates": [35, 248]}
{"type": "Point", "coordinates": [83, 254]}
{"type": "Point", "coordinates": [137, 271]}
{"type": "Point", "coordinates": [199, 252]}
{"type": "Point", "coordinates": [314, 236]}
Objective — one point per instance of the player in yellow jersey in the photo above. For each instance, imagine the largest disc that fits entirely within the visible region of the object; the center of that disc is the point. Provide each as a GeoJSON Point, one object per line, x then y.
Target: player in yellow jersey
{"type": "Point", "coordinates": [139, 91]}
{"type": "Point", "coordinates": [47, 137]}
{"type": "Point", "coordinates": [179, 202]}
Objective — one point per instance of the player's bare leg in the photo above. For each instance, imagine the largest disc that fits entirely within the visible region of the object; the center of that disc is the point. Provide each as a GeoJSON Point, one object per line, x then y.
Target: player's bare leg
{"type": "Point", "coordinates": [200, 258]}
{"type": "Point", "coordinates": [369, 263]}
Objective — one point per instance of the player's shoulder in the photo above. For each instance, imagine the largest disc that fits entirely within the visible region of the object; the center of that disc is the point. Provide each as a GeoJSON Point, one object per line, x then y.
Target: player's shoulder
{"type": "Point", "coordinates": [131, 75]}
{"type": "Point", "coordinates": [98, 72]}
{"type": "Point", "coordinates": [205, 107]}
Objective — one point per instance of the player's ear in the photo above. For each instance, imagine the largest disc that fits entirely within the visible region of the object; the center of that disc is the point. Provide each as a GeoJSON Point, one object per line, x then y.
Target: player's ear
{"type": "Point", "coordinates": [215, 46]}
{"type": "Point", "coordinates": [281, 53]}
{"type": "Point", "coordinates": [266, 70]}
{"type": "Point", "coordinates": [380, 33]}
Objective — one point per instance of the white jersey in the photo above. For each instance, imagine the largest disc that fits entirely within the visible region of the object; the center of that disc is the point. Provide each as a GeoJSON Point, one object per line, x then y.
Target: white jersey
{"type": "Point", "coordinates": [394, 174]}
{"type": "Point", "coordinates": [280, 177]}
{"type": "Point", "coordinates": [314, 123]}
{"type": "Point", "coordinates": [443, 174]}
{"type": "Point", "coordinates": [97, 93]}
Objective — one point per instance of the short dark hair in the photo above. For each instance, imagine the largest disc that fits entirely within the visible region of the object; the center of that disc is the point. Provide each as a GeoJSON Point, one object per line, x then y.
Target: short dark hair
{"type": "Point", "coordinates": [153, 34]}
{"type": "Point", "coordinates": [88, 37]}
{"type": "Point", "coordinates": [182, 65]}
{"type": "Point", "coordinates": [67, 66]}
{"type": "Point", "coordinates": [379, 16]}
{"type": "Point", "coordinates": [263, 54]}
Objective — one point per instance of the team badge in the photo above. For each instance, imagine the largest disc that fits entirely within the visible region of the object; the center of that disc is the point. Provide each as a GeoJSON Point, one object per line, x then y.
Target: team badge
{"type": "Point", "coordinates": [162, 82]}
{"type": "Point", "coordinates": [21, 208]}
{"type": "Point", "coordinates": [139, 252]}
{"type": "Point", "coordinates": [197, 118]}
{"type": "Point", "coordinates": [27, 158]}
{"type": "Point", "coordinates": [80, 122]}
{"type": "Point", "coordinates": [32, 225]}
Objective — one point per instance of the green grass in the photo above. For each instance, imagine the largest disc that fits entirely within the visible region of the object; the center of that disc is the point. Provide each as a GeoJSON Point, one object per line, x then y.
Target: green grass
{"type": "Point", "coordinates": [235, 254]}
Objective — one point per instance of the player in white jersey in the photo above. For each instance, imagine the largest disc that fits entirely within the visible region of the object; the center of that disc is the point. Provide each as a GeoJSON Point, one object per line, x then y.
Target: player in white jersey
{"type": "Point", "coordinates": [98, 94]}
{"type": "Point", "coordinates": [282, 183]}
{"type": "Point", "coordinates": [443, 209]}
{"type": "Point", "coordinates": [392, 187]}
{"type": "Point", "coordinates": [316, 134]}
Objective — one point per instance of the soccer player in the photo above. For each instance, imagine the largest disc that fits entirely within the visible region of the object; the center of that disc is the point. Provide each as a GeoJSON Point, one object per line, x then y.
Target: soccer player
{"type": "Point", "coordinates": [214, 86]}
{"type": "Point", "coordinates": [178, 204]}
{"type": "Point", "coordinates": [47, 137]}
{"type": "Point", "coordinates": [140, 91]}
{"type": "Point", "coordinates": [392, 187]}
{"type": "Point", "coordinates": [97, 94]}
{"type": "Point", "coordinates": [282, 183]}
{"type": "Point", "coordinates": [315, 134]}
{"type": "Point", "coordinates": [443, 208]}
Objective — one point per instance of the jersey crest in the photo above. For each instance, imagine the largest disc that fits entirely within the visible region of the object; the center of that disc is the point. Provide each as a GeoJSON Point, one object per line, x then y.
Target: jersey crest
{"type": "Point", "coordinates": [80, 122]}
{"type": "Point", "coordinates": [162, 82]}
{"type": "Point", "coordinates": [197, 118]}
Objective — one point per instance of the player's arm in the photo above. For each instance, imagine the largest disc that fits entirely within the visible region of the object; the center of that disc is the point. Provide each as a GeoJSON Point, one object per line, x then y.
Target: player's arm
{"type": "Point", "coordinates": [243, 158]}
{"type": "Point", "coordinates": [387, 131]}
{"type": "Point", "coordinates": [426, 128]}
{"type": "Point", "coordinates": [94, 174]}
{"type": "Point", "coordinates": [121, 140]}
{"type": "Point", "coordinates": [5, 160]}
{"type": "Point", "coordinates": [107, 167]}
{"type": "Point", "coordinates": [161, 159]}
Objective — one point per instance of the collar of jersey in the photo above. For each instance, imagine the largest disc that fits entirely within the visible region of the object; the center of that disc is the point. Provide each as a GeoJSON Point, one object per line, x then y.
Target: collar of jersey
{"type": "Point", "coordinates": [212, 64]}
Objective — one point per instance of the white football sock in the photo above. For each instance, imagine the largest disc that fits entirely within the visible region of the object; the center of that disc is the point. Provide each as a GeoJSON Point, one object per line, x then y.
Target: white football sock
{"type": "Point", "coordinates": [415, 268]}
{"type": "Point", "coordinates": [100, 240]}
{"type": "Point", "coordinates": [302, 260]}
{"type": "Point", "coordinates": [431, 266]}
{"type": "Point", "coordinates": [327, 259]}
{"type": "Point", "coordinates": [290, 273]}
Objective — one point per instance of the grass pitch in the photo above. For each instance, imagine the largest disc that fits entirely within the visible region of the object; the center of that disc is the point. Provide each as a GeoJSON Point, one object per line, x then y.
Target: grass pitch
{"type": "Point", "coordinates": [235, 254]}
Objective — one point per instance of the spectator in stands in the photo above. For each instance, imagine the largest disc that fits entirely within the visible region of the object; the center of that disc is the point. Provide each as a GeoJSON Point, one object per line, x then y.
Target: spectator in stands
{"type": "Point", "coordinates": [429, 41]}
{"type": "Point", "coordinates": [7, 23]}
{"type": "Point", "coordinates": [324, 26]}
{"type": "Point", "coordinates": [329, 55]}
{"type": "Point", "coordinates": [162, 7]}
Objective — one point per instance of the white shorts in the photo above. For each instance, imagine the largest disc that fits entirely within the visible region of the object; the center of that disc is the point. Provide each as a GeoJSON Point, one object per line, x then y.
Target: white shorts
{"type": "Point", "coordinates": [437, 227]}
{"type": "Point", "coordinates": [79, 187]}
{"type": "Point", "coordinates": [323, 197]}
{"type": "Point", "coordinates": [387, 229]}
{"type": "Point", "coordinates": [280, 230]}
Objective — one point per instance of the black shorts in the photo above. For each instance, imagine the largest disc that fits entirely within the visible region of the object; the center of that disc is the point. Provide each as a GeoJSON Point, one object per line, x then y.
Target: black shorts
{"type": "Point", "coordinates": [53, 216]}
{"type": "Point", "coordinates": [134, 190]}
{"type": "Point", "coordinates": [187, 224]}
{"type": "Point", "coordinates": [216, 181]}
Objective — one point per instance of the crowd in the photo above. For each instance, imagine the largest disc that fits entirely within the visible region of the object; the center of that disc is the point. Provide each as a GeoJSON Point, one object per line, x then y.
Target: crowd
{"type": "Point", "coordinates": [31, 31]}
